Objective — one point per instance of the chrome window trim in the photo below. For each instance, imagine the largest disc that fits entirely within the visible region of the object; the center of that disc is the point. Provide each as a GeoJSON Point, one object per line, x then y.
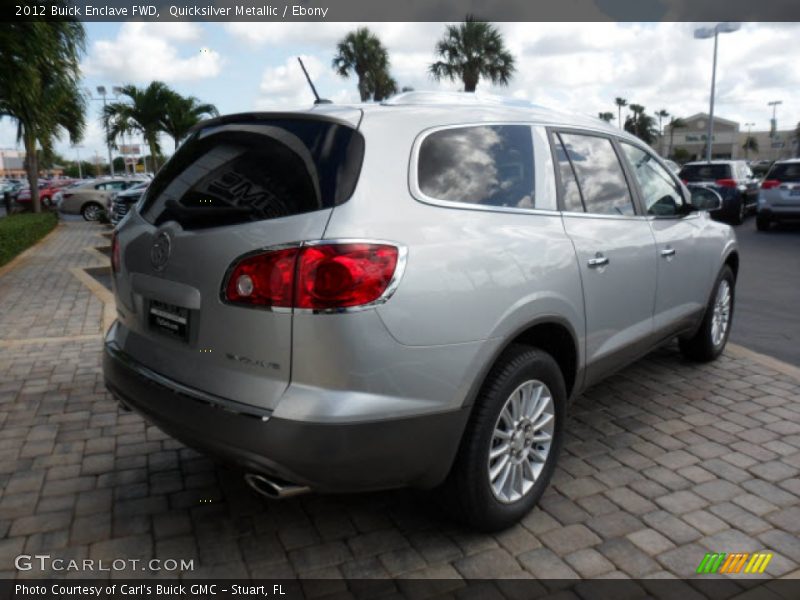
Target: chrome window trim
{"type": "Point", "coordinates": [394, 282]}
{"type": "Point", "coordinates": [420, 196]}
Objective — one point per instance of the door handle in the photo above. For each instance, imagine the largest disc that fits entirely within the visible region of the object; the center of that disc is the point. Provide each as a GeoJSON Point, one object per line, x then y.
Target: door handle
{"type": "Point", "coordinates": [668, 252]}
{"type": "Point", "coordinates": [598, 261]}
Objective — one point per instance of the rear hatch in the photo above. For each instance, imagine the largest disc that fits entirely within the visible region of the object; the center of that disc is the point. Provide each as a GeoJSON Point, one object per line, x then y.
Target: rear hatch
{"type": "Point", "coordinates": [705, 174]}
{"type": "Point", "coordinates": [237, 185]}
{"type": "Point", "coordinates": [781, 186]}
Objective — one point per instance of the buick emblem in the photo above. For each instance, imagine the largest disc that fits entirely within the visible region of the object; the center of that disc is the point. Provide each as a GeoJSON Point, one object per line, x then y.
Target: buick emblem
{"type": "Point", "coordinates": [159, 253]}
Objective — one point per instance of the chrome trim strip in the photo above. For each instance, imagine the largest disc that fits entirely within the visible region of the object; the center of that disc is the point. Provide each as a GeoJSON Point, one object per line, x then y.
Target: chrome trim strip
{"type": "Point", "coordinates": [139, 369]}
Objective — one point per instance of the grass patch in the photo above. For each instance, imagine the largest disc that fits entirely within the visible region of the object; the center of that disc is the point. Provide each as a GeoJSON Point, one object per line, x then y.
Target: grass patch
{"type": "Point", "coordinates": [18, 232]}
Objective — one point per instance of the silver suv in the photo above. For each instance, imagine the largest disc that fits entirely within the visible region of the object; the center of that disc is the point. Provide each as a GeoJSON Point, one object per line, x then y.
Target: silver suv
{"type": "Point", "coordinates": [407, 294]}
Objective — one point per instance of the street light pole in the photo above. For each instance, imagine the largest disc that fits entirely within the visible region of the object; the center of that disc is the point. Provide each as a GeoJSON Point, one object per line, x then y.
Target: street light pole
{"type": "Point", "coordinates": [705, 33]}
{"type": "Point", "coordinates": [101, 89]}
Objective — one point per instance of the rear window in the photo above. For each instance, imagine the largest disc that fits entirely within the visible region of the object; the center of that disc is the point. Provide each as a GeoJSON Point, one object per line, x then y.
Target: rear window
{"type": "Point", "coordinates": [785, 172]}
{"type": "Point", "coordinates": [705, 172]}
{"type": "Point", "coordinates": [256, 170]}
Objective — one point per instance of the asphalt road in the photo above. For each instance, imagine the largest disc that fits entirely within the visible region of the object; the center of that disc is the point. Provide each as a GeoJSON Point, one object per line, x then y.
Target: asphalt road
{"type": "Point", "coordinates": [767, 314]}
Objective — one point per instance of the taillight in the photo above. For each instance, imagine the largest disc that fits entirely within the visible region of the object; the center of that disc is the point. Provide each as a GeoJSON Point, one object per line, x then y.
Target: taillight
{"type": "Point", "coordinates": [115, 255]}
{"type": "Point", "coordinates": [319, 276]}
{"type": "Point", "coordinates": [768, 184]}
{"type": "Point", "coordinates": [726, 183]}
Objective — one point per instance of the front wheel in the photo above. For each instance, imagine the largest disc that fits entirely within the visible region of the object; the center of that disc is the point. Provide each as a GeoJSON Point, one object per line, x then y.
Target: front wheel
{"type": "Point", "coordinates": [709, 341]}
{"type": "Point", "coordinates": [91, 211]}
{"type": "Point", "coordinates": [511, 443]}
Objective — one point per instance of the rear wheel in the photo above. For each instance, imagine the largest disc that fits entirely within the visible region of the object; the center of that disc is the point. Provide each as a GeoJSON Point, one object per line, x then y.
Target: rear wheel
{"type": "Point", "coordinates": [91, 211]}
{"type": "Point", "coordinates": [709, 341]}
{"type": "Point", "coordinates": [511, 443]}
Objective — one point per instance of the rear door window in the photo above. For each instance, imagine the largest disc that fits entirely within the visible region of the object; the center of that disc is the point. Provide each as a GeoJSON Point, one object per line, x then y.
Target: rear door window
{"type": "Point", "coordinates": [705, 172]}
{"type": "Point", "coordinates": [489, 165]}
{"type": "Point", "coordinates": [599, 173]}
{"type": "Point", "coordinates": [256, 169]}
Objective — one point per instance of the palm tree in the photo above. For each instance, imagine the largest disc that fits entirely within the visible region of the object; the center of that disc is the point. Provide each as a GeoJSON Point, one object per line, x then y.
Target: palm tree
{"type": "Point", "coordinates": [182, 113]}
{"type": "Point", "coordinates": [750, 143]}
{"type": "Point", "coordinates": [661, 114]}
{"type": "Point", "coordinates": [383, 85]}
{"type": "Point", "coordinates": [621, 103]}
{"type": "Point", "coordinates": [606, 116]}
{"type": "Point", "coordinates": [641, 124]}
{"type": "Point", "coordinates": [674, 123]}
{"type": "Point", "coordinates": [362, 53]}
{"type": "Point", "coordinates": [39, 68]}
{"type": "Point", "coordinates": [471, 50]}
{"type": "Point", "coordinates": [143, 113]}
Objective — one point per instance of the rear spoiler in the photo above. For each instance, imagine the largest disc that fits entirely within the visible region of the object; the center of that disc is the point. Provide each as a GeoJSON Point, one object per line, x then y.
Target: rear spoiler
{"type": "Point", "coordinates": [317, 115]}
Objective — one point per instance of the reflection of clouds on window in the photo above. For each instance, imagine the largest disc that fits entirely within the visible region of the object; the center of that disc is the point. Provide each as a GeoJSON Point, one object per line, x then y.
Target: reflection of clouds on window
{"type": "Point", "coordinates": [661, 196]}
{"type": "Point", "coordinates": [490, 165]}
{"type": "Point", "coordinates": [599, 173]}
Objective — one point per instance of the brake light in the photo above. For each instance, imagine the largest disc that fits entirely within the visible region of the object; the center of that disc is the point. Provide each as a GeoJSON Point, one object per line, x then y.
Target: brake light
{"type": "Point", "coordinates": [115, 253]}
{"type": "Point", "coordinates": [726, 183]}
{"type": "Point", "coordinates": [319, 277]}
{"type": "Point", "coordinates": [768, 184]}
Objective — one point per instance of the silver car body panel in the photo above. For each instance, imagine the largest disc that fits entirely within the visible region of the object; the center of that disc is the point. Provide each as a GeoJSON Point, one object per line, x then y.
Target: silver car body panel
{"type": "Point", "coordinates": [474, 278]}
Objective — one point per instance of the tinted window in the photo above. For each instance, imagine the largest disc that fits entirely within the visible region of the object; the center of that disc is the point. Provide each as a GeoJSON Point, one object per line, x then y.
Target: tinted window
{"type": "Point", "coordinates": [569, 185]}
{"type": "Point", "coordinates": [705, 172]}
{"type": "Point", "coordinates": [785, 172]}
{"type": "Point", "coordinates": [238, 172]}
{"type": "Point", "coordinates": [599, 173]}
{"type": "Point", "coordinates": [489, 165]}
{"type": "Point", "coordinates": [660, 194]}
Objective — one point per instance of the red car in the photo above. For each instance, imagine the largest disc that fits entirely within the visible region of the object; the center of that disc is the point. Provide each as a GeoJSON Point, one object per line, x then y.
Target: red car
{"type": "Point", "coordinates": [46, 191]}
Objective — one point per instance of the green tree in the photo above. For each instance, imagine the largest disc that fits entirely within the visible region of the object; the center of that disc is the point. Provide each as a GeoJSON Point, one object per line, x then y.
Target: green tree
{"type": "Point", "coordinates": [182, 113]}
{"type": "Point", "coordinates": [621, 103]}
{"type": "Point", "coordinates": [661, 114]}
{"type": "Point", "coordinates": [606, 116]}
{"type": "Point", "coordinates": [681, 155]}
{"type": "Point", "coordinates": [143, 113]}
{"type": "Point", "coordinates": [362, 53]}
{"type": "Point", "coordinates": [640, 124]}
{"type": "Point", "coordinates": [674, 123]}
{"type": "Point", "coordinates": [471, 50]}
{"type": "Point", "coordinates": [39, 71]}
{"type": "Point", "coordinates": [383, 85]}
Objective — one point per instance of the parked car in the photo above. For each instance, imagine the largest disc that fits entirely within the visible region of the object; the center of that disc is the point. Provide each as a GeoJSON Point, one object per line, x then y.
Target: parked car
{"type": "Point", "coordinates": [406, 294]}
{"type": "Point", "coordinates": [120, 204]}
{"type": "Point", "coordinates": [90, 199]}
{"type": "Point", "coordinates": [779, 199]}
{"type": "Point", "coordinates": [47, 192]}
{"type": "Point", "coordinates": [732, 179]}
{"type": "Point", "coordinates": [760, 167]}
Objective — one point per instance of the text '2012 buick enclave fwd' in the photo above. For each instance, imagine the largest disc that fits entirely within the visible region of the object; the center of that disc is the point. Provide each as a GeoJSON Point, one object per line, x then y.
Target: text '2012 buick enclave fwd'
{"type": "Point", "coordinates": [406, 294]}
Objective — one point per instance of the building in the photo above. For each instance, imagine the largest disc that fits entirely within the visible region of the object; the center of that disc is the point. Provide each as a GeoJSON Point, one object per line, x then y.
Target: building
{"type": "Point", "coordinates": [727, 141]}
{"type": "Point", "coordinates": [12, 163]}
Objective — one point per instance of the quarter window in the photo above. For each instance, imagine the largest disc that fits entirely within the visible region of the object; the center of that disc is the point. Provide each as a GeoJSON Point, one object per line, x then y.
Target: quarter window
{"type": "Point", "coordinates": [599, 173]}
{"type": "Point", "coordinates": [489, 165]}
{"type": "Point", "coordinates": [660, 195]}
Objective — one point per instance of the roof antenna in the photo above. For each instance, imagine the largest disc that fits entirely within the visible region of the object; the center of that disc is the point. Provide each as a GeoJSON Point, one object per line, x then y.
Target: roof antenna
{"type": "Point", "coordinates": [311, 83]}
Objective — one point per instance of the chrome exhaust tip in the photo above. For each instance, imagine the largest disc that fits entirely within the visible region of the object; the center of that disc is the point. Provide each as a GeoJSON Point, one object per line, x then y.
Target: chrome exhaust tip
{"type": "Point", "coordinates": [274, 489]}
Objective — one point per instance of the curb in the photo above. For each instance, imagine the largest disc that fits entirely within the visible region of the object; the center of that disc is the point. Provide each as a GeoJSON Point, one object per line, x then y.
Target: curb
{"type": "Point", "coordinates": [767, 361]}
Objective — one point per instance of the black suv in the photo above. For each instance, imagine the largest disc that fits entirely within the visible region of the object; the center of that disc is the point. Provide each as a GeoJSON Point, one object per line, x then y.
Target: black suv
{"type": "Point", "coordinates": [732, 179]}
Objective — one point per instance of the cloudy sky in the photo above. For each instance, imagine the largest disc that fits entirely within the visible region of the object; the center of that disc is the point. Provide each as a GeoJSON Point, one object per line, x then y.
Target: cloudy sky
{"type": "Point", "coordinates": [577, 66]}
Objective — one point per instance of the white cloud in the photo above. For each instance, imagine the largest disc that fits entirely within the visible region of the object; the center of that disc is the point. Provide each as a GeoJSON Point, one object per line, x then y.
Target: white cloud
{"type": "Point", "coordinates": [142, 52]}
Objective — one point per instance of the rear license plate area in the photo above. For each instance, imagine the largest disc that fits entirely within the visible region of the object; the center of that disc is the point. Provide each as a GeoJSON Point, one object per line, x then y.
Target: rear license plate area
{"type": "Point", "coordinates": [169, 320]}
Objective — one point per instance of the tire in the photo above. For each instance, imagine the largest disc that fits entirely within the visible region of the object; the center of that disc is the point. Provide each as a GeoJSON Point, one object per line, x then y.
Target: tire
{"type": "Point", "coordinates": [739, 213]}
{"type": "Point", "coordinates": [91, 211]}
{"type": "Point", "coordinates": [707, 344]}
{"type": "Point", "coordinates": [762, 223]}
{"type": "Point", "coordinates": [468, 491]}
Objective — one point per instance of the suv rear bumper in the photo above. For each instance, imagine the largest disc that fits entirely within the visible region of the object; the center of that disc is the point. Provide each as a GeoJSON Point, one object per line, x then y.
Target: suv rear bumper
{"type": "Point", "coordinates": [334, 457]}
{"type": "Point", "coordinates": [776, 213]}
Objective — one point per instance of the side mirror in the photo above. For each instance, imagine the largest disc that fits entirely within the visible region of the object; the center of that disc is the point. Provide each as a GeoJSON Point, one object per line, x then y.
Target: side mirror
{"type": "Point", "coordinates": [704, 198]}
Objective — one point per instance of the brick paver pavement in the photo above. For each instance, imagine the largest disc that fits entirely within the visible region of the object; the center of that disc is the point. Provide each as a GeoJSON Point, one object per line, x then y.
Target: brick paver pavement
{"type": "Point", "coordinates": [663, 462]}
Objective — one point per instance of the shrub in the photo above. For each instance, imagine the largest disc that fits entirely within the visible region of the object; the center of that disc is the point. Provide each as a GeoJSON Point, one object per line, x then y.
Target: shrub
{"type": "Point", "coordinates": [18, 232]}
